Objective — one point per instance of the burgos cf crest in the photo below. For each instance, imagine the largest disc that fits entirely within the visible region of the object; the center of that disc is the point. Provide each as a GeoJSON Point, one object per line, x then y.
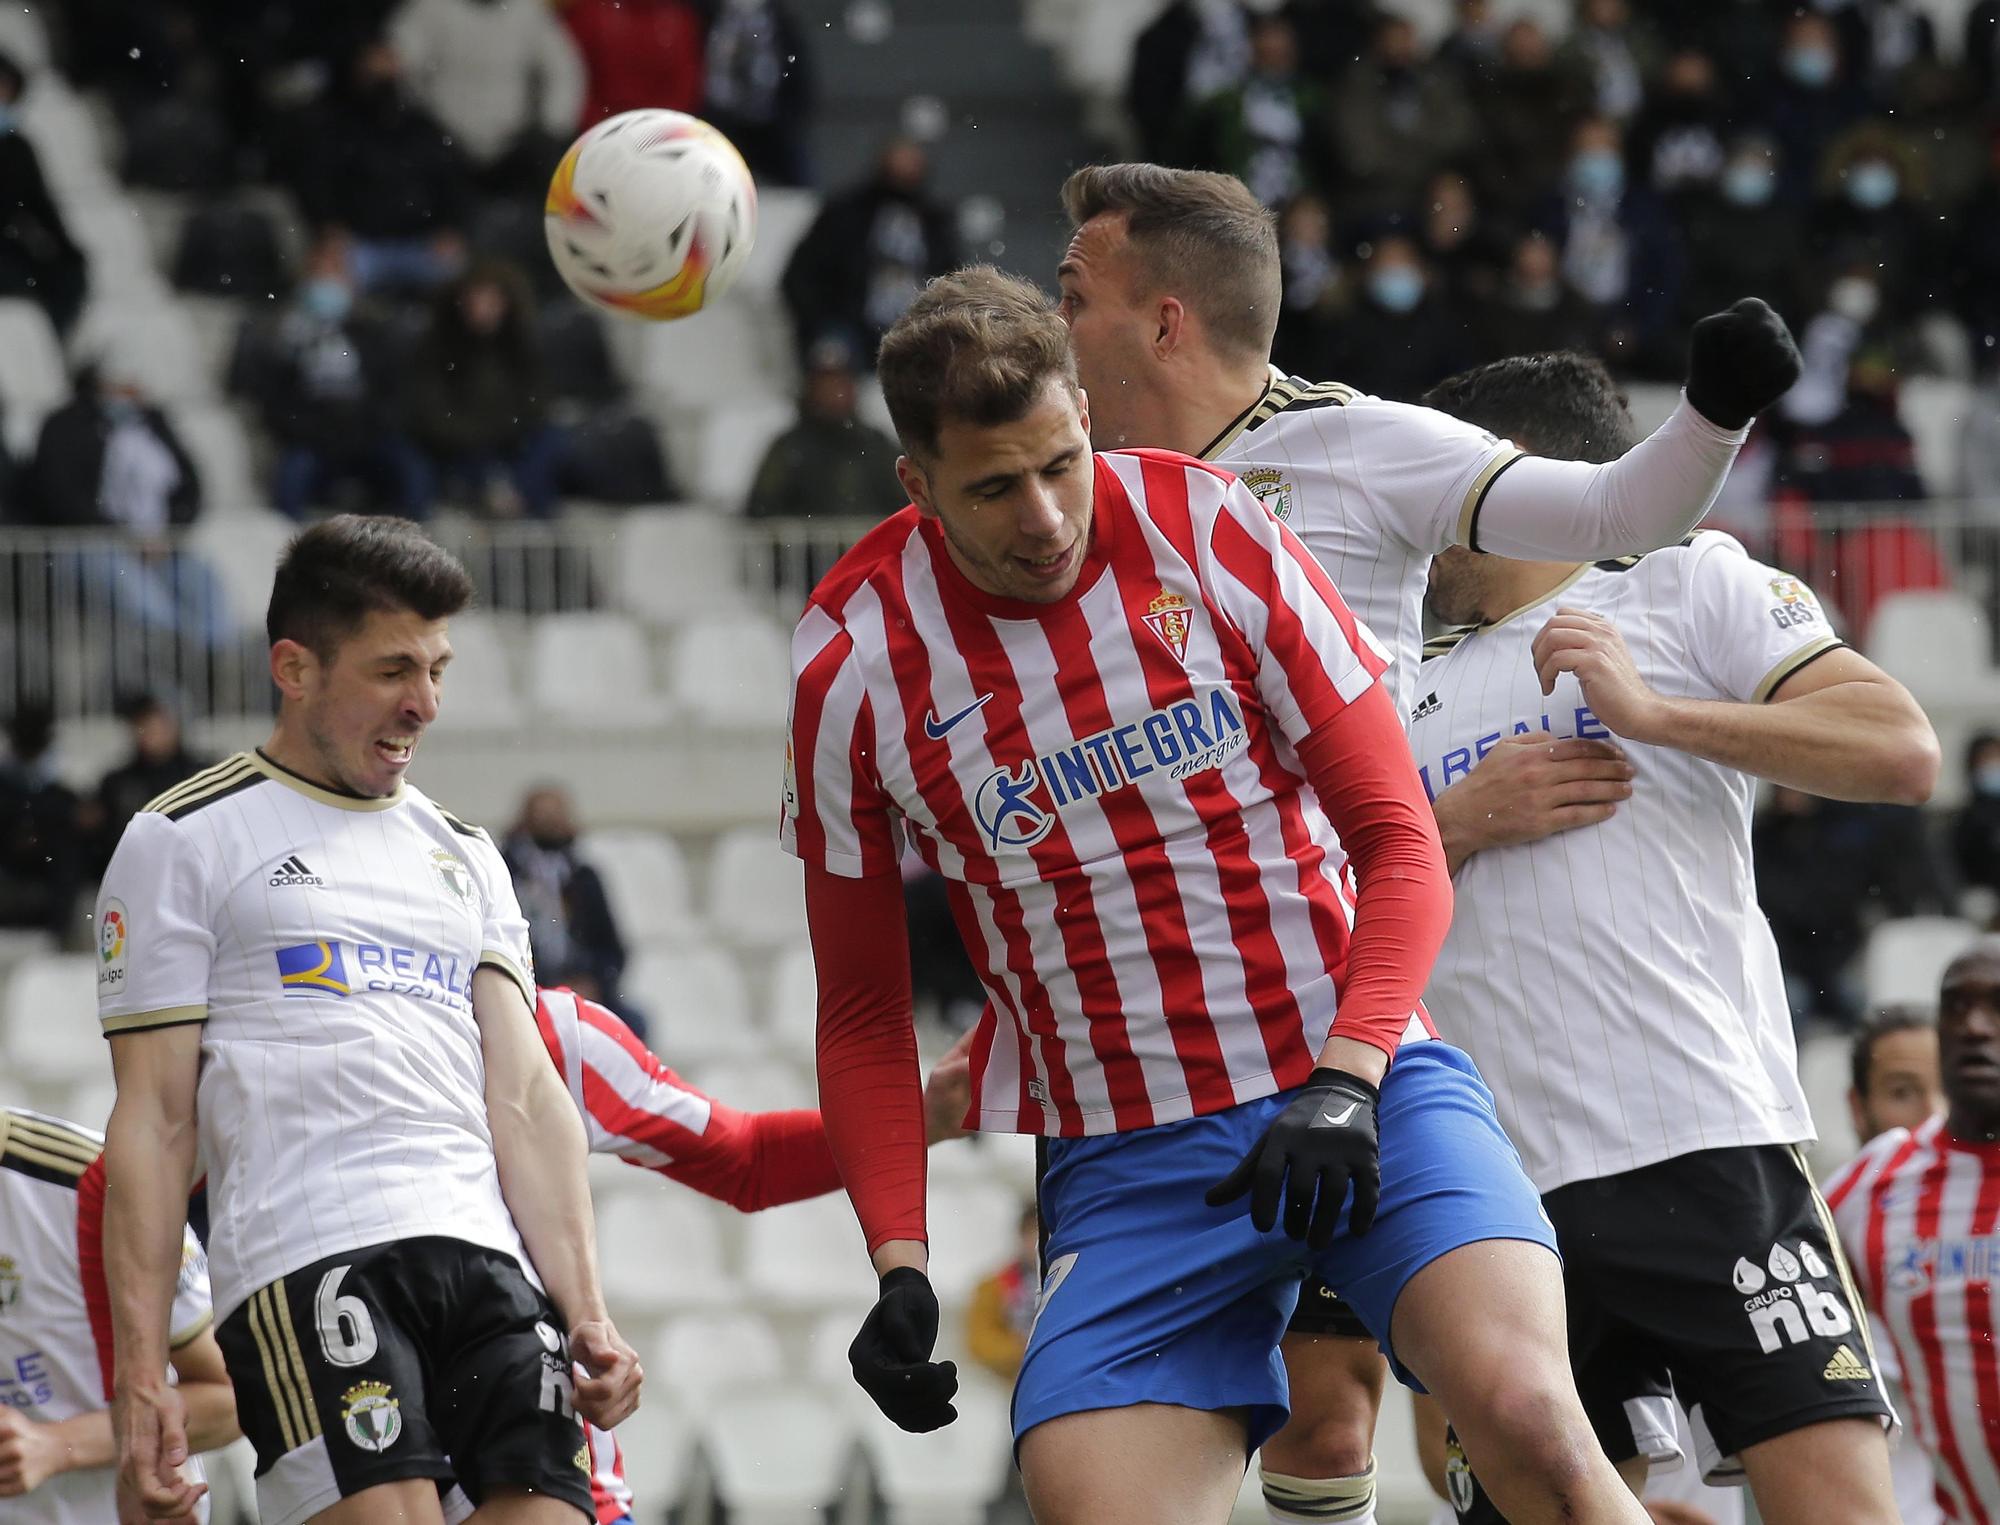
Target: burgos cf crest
{"type": "Point", "coordinates": [10, 1284]}
{"type": "Point", "coordinates": [1169, 618]}
{"type": "Point", "coordinates": [1271, 489]}
{"type": "Point", "coordinates": [374, 1420]}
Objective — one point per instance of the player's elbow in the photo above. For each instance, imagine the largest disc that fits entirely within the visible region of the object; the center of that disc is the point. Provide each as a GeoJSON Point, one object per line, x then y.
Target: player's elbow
{"type": "Point", "coordinates": [1910, 763]}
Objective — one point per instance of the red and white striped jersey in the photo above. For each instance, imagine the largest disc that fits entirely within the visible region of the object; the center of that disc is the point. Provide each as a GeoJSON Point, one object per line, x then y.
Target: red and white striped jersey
{"type": "Point", "coordinates": [1919, 1215]}
{"type": "Point", "coordinates": [1111, 787]}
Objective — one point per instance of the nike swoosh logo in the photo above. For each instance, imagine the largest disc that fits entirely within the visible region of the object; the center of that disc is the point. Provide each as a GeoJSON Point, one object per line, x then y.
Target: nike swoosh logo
{"type": "Point", "coordinates": [1332, 1121]}
{"type": "Point", "coordinates": [936, 728]}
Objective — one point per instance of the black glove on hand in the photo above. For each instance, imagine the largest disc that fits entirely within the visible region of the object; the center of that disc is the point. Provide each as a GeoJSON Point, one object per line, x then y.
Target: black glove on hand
{"type": "Point", "coordinates": [1739, 363]}
{"type": "Point", "coordinates": [891, 1355]}
{"type": "Point", "coordinates": [1323, 1142]}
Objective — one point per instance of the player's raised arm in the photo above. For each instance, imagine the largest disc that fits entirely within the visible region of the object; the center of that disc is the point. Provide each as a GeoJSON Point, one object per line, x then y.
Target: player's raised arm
{"type": "Point", "coordinates": [1740, 362]}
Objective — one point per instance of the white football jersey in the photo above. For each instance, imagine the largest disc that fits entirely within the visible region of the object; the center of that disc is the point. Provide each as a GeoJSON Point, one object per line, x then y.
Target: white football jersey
{"type": "Point", "coordinates": [1617, 984]}
{"type": "Point", "coordinates": [55, 1320]}
{"type": "Point", "coordinates": [1373, 488]}
{"type": "Point", "coordinates": [328, 945]}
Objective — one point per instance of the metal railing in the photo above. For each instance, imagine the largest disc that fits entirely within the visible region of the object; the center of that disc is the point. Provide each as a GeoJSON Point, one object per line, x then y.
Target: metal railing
{"type": "Point", "coordinates": [86, 618]}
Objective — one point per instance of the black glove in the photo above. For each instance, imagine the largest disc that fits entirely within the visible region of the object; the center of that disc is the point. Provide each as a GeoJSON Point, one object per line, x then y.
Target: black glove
{"type": "Point", "coordinates": [1739, 363]}
{"type": "Point", "coordinates": [891, 1355]}
{"type": "Point", "coordinates": [1323, 1142]}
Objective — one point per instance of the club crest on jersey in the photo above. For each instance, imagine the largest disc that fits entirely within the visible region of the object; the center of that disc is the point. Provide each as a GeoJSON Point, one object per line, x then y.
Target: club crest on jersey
{"type": "Point", "coordinates": [1271, 488]}
{"type": "Point", "coordinates": [1017, 806]}
{"type": "Point", "coordinates": [10, 1283]}
{"type": "Point", "coordinates": [374, 1420]}
{"type": "Point", "coordinates": [453, 875]}
{"type": "Point", "coordinates": [1169, 617]}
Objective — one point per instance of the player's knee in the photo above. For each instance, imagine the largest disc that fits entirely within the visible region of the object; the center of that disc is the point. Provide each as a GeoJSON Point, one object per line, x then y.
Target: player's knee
{"type": "Point", "coordinates": [1334, 1445]}
{"type": "Point", "coordinates": [1531, 1427]}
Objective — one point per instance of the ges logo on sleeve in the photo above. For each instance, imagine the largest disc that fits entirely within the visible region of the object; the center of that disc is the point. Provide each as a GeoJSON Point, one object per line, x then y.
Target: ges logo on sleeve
{"type": "Point", "coordinates": [1795, 606]}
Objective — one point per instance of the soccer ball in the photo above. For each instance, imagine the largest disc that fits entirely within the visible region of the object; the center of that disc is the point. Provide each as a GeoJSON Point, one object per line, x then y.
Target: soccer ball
{"type": "Point", "coordinates": [651, 214]}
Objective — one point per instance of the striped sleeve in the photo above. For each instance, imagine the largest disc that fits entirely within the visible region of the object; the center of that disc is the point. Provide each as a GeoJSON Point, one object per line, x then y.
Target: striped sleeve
{"type": "Point", "coordinates": [836, 815]}
{"type": "Point", "coordinates": [1314, 657]}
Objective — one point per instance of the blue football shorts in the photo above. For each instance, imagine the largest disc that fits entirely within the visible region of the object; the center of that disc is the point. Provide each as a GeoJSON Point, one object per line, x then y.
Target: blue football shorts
{"type": "Point", "coordinates": [1153, 1296]}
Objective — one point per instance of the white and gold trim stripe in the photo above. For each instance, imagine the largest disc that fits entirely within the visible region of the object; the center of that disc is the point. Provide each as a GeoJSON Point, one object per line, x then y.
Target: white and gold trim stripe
{"type": "Point", "coordinates": [165, 1016]}
{"type": "Point", "coordinates": [494, 958]}
{"type": "Point", "coordinates": [231, 770]}
{"type": "Point", "coordinates": [1475, 495]}
{"type": "Point", "coordinates": [277, 773]}
{"type": "Point", "coordinates": [1791, 663]}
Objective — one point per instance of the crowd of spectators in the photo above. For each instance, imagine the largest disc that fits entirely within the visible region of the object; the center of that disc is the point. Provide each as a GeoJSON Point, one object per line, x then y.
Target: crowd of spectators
{"type": "Point", "coordinates": [1504, 190]}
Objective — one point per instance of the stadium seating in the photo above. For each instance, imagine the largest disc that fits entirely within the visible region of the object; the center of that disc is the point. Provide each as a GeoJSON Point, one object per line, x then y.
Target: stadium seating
{"type": "Point", "coordinates": [783, 215]}
{"type": "Point", "coordinates": [1936, 643]}
{"type": "Point", "coordinates": [50, 1020]}
{"type": "Point", "coordinates": [645, 877]}
{"type": "Point", "coordinates": [731, 672]}
{"type": "Point", "coordinates": [792, 1013]}
{"type": "Point", "coordinates": [949, 1477]}
{"type": "Point", "coordinates": [662, 1251]}
{"type": "Point", "coordinates": [34, 380]}
{"type": "Point", "coordinates": [216, 441]}
{"type": "Point", "coordinates": [658, 1444]}
{"type": "Point", "coordinates": [783, 1484]}
{"type": "Point", "coordinates": [762, 1084]}
{"type": "Point", "coordinates": [671, 564]}
{"type": "Point", "coordinates": [695, 1004]}
{"type": "Point", "coordinates": [733, 440]}
{"type": "Point", "coordinates": [972, 1232]}
{"type": "Point", "coordinates": [718, 353]}
{"type": "Point", "coordinates": [593, 670]}
{"type": "Point", "coordinates": [754, 897]}
{"type": "Point", "coordinates": [241, 548]}
{"type": "Point", "coordinates": [807, 1255]}
{"type": "Point", "coordinates": [715, 1353]}
{"type": "Point", "coordinates": [1905, 958]}
{"type": "Point", "coordinates": [484, 694]}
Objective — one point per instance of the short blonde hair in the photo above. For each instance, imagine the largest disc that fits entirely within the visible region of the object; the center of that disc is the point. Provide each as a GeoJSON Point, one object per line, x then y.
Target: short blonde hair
{"type": "Point", "coordinates": [978, 346]}
{"type": "Point", "coordinates": [1197, 236]}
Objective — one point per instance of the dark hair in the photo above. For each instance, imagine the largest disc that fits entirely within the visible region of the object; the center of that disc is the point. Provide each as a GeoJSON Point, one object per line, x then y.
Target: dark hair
{"type": "Point", "coordinates": [1197, 235]}
{"type": "Point", "coordinates": [335, 574]}
{"type": "Point", "coordinates": [1978, 740]}
{"type": "Point", "coordinates": [12, 75]}
{"type": "Point", "coordinates": [977, 346]}
{"type": "Point", "coordinates": [1563, 405]}
{"type": "Point", "coordinates": [31, 730]}
{"type": "Point", "coordinates": [1881, 1023]}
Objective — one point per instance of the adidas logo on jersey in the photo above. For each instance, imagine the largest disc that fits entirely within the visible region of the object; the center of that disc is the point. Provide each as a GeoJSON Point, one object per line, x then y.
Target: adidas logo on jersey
{"type": "Point", "coordinates": [1430, 706]}
{"type": "Point", "coordinates": [1846, 1366]}
{"type": "Point", "coordinates": [293, 873]}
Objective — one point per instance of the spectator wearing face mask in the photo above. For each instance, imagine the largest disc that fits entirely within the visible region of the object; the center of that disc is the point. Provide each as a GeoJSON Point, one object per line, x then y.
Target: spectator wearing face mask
{"type": "Point", "coordinates": [1975, 835]}
{"type": "Point", "coordinates": [1871, 185]}
{"type": "Point", "coordinates": [1807, 101]}
{"type": "Point", "coordinates": [38, 258]}
{"type": "Point", "coordinates": [1743, 239]}
{"type": "Point", "coordinates": [1398, 337]}
{"type": "Point", "coordinates": [1864, 453]}
{"type": "Point", "coordinates": [323, 385]}
{"type": "Point", "coordinates": [1619, 252]}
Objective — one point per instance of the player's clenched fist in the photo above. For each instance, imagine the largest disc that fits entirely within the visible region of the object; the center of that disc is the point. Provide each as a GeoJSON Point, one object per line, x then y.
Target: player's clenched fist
{"type": "Point", "coordinates": [891, 1356]}
{"type": "Point", "coordinates": [1530, 787]}
{"type": "Point", "coordinates": [1590, 646]}
{"type": "Point", "coordinates": [1323, 1143]}
{"type": "Point", "coordinates": [608, 1392]}
{"type": "Point", "coordinates": [30, 1454]}
{"type": "Point", "coordinates": [1739, 363]}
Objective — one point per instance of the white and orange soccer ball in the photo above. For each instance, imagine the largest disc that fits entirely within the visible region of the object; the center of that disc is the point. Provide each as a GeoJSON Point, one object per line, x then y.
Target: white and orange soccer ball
{"type": "Point", "coordinates": [651, 214]}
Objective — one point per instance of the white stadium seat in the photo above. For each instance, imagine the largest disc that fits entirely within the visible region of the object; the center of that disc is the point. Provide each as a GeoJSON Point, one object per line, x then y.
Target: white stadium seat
{"type": "Point", "coordinates": [646, 879]}
{"type": "Point", "coordinates": [783, 215]}
{"type": "Point", "coordinates": [792, 1014]}
{"type": "Point", "coordinates": [974, 1231]}
{"type": "Point", "coordinates": [149, 335]}
{"type": "Point", "coordinates": [1905, 958]}
{"type": "Point", "coordinates": [23, 37]}
{"type": "Point", "coordinates": [779, 1455]}
{"type": "Point", "coordinates": [719, 352]}
{"type": "Point", "coordinates": [480, 687]}
{"type": "Point", "coordinates": [711, 1353]}
{"type": "Point", "coordinates": [50, 1021]}
{"type": "Point", "coordinates": [658, 1443]}
{"type": "Point", "coordinates": [733, 439]}
{"type": "Point", "coordinates": [662, 1250]}
{"type": "Point", "coordinates": [593, 670]}
{"type": "Point", "coordinates": [949, 1477]}
{"type": "Point", "coordinates": [112, 233]}
{"type": "Point", "coordinates": [671, 563]}
{"type": "Point", "coordinates": [732, 672]}
{"type": "Point", "coordinates": [807, 1254]}
{"type": "Point", "coordinates": [756, 896]}
{"type": "Point", "coordinates": [242, 549]}
{"type": "Point", "coordinates": [697, 1010]}
{"type": "Point", "coordinates": [220, 448]}
{"type": "Point", "coordinates": [34, 378]}
{"type": "Point", "coordinates": [762, 1085]}
{"type": "Point", "coordinates": [827, 1340]}
{"type": "Point", "coordinates": [1824, 1075]}
{"type": "Point", "coordinates": [1937, 643]}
